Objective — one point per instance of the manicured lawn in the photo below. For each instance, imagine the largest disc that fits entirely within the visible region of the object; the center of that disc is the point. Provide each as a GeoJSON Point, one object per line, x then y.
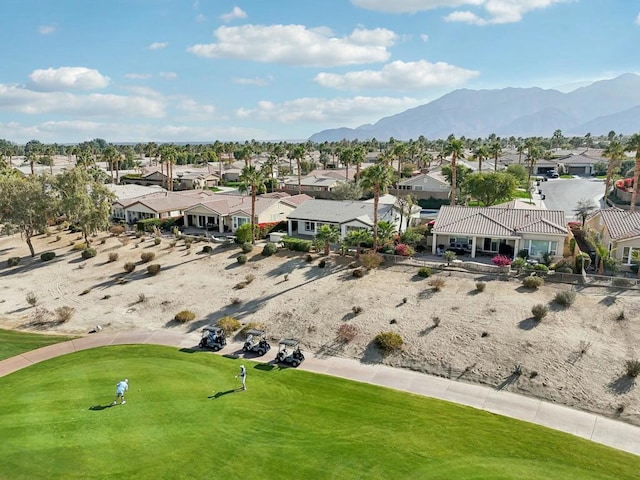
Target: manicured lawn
{"type": "Point", "coordinates": [288, 424]}
{"type": "Point", "coordinates": [14, 343]}
{"type": "Point", "coordinates": [522, 194]}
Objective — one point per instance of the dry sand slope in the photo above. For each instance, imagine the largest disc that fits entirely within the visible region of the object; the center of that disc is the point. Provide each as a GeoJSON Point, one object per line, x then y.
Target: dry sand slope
{"type": "Point", "coordinates": [574, 356]}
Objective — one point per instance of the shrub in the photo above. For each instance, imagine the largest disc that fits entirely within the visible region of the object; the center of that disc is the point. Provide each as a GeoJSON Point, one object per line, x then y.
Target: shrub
{"type": "Point", "coordinates": [480, 286]}
{"type": "Point", "coordinates": [249, 278]}
{"type": "Point", "coordinates": [564, 269]}
{"type": "Point", "coordinates": [437, 283]}
{"type": "Point", "coordinates": [172, 244]}
{"type": "Point", "coordinates": [435, 321]}
{"type": "Point", "coordinates": [358, 273]}
{"type": "Point", "coordinates": [632, 368]}
{"type": "Point", "coordinates": [32, 299]}
{"type": "Point", "coordinates": [424, 272]}
{"type": "Point", "coordinates": [228, 324]}
{"type": "Point", "coordinates": [524, 254]}
{"type": "Point", "coordinates": [539, 311]}
{"type": "Point", "coordinates": [64, 314]}
{"type": "Point", "coordinates": [346, 332]}
{"type": "Point", "coordinates": [46, 256]}
{"type": "Point", "coordinates": [153, 269]}
{"type": "Point", "coordinates": [322, 263]}
{"type": "Point", "coordinates": [356, 310]}
{"type": "Point", "coordinates": [147, 256]}
{"type": "Point", "coordinates": [188, 242]}
{"type": "Point", "coordinates": [58, 238]}
{"type": "Point", "coordinates": [449, 256]}
{"type": "Point", "coordinates": [116, 230]}
{"type": "Point", "coordinates": [583, 260]}
{"type": "Point", "coordinates": [207, 249]}
{"type": "Point", "coordinates": [541, 267]}
{"type": "Point", "coordinates": [621, 282]}
{"type": "Point", "coordinates": [243, 234]}
{"type": "Point", "coordinates": [113, 256]}
{"type": "Point", "coordinates": [370, 260]}
{"type": "Point", "coordinates": [532, 282]}
{"type": "Point", "coordinates": [79, 246]}
{"type": "Point", "coordinates": [240, 285]}
{"type": "Point", "coordinates": [518, 263]}
{"type": "Point", "coordinates": [124, 240]}
{"type": "Point", "coordinates": [297, 244]}
{"type": "Point", "coordinates": [89, 253]}
{"type": "Point", "coordinates": [389, 342]}
{"type": "Point", "coordinates": [184, 316]}
{"type": "Point", "coordinates": [501, 261]}
{"type": "Point", "coordinates": [269, 249]}
{"type": "Point", "coordinates": [241, 259]}
{"type": "Point", "coordinates": [13, 261]}
{"type": "Point", "coordinates": [157, 241]}
{"type": "Point", "coordinates": [142, 298]}
{"type": "Point", "coordinates": [404, 250]}
{"type": "Point", "coordinates": [129, 267]}
{"type": "Point", "coordinates": [247, 247]}
{"type": "Point", "coordinates": [565, 298]}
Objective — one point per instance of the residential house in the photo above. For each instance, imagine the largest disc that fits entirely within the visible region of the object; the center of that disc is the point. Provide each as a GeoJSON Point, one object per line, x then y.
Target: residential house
{"type": "Point", "coordinates": [580, 164]}
{"type": "Point", "coordinates": [156, 205]}
{"type": "Point", "coordinates": [491, 230]}
{"type": "Point", "coordinates": [311, 183]}
{"type": "Point", "coordinates": [153, 177]}
{"type": "Point", "coordinates": [424, 186]}
{"type": "Point", "coordinates": [345, 215]}
{"type": "Point", "coordinates": [196, 180]}
{"type": "Point", "coordinates": [619, 231]}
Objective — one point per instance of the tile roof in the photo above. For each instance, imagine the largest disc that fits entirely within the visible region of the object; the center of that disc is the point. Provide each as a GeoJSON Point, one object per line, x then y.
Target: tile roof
{"type": "Point", "coordinates": [621, 224]}
{"type": "Point", "coordinates": [338, 211]}
{"type": "Point", "coordinates": [498, 222]}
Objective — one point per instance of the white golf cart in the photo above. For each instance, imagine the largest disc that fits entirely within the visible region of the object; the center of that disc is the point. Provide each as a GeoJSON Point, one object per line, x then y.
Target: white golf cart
{"type": "Point", "coordinates": [256, 342]}
{"type": "Point", "coordinates": [289, 352]}
{"type": "Point", "coordinates": [213, 337]}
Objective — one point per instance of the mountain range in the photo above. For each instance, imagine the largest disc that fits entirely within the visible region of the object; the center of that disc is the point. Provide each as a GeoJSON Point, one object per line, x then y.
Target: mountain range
{"type": "Point", "coordinates": [598, 108]}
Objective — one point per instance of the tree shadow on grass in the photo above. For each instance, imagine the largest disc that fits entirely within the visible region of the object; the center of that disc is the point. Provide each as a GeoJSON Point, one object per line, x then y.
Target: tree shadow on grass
{"type": "Point", "coordinates": [267, 367]}
{"type": "Point", "coordinates": [621, 385]}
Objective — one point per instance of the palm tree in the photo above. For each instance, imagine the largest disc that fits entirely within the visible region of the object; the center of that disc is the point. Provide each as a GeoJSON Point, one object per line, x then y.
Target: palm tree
{"type": "Point", "coordinates": [355, 238]}
{"type": "Point", "coordinates": [634, 144]}
{"type": "Point", "coordinates": [400, 151]}
{"type": "Point", "coordinates": [377, 178]}
{"type": "Point", "coordinates": [386, 232]}
{"type": "Point", "coordinates": [328, 234]}
{"type": "Point", "coordinates": [345, 155]}
{"type": "Point", "coordinates": [455, 148]}
{"type": "Point", "coordinates": [615, 153]}
{"type": "Point", "coordinates": [495, 150]}
{"type": "Point", "coordinates": [480, 153]}
{"type": "Point", "coordinates": [359, 155]}
{"type": "Point", "coordinates": [299, 153]}
{"type": "Point", "coordinates": [109, 156]}
{"type": "Point", "coordinates": [252, 182]}
{"type": "Point", "coordinates": [584, 208]}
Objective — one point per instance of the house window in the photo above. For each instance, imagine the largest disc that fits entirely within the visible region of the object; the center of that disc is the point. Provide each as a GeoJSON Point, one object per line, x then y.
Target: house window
{"type": "Point", "coordinates": [237, 221]}
{"type": "Point", "coordinates": [630, 255]}
{"type": "Point", "coordinates": [418, 188]}
{"type": "Point", "coordinates": [537, 248]}
{"type": "Point", "coordinates": [310, 226]}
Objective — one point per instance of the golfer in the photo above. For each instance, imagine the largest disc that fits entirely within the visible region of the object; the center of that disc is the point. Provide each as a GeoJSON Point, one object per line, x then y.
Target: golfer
{"type": "Point", "coordinates": [121, 387]}
{"type": "Point", "coordinates": [243, 377]}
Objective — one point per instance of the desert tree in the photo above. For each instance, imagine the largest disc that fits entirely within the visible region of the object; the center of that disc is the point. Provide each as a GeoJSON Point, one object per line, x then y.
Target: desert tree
{"type": "Point", "coordinates": [298, 154]}
{"type": "Point", "coordinates": [356, 238]}
{"type": "Point", "coordinates": [490, 188]}
{"type": "Point", "coordinates": [405, 204]}
{"type": "Point", "coordinates": [480, 153]}
{"type": "Point", "coordinates": [495, 150]}
{"type": "Point", "coordinates": [454, 148]}
{"type": "Point", "coordinates": [252, 182]}
{"type": "Point", "coordinates": [615, 153]}
{"type": "Point", "coordinates": [327, 234]}
{"type": "Point", "coordinates": [377, 178]}
{"type": "Point", "coordinates": [584, 208]}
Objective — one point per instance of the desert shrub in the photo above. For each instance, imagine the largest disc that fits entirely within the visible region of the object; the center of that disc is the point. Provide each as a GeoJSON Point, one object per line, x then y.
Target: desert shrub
{"type": "Point", "coordinates": [113, 256]}
{"type": "Point", "coordinates": [632, 368]}
{"type": "Point", "coordinates": [79, 246]}
{"type": "Point", "coordinates": [129, 267]}
{"type": "Point", "coordinates": [42, 315]}
{"type": "Point", "coordinates": [157, 241]}
{"type": "Point", "coordinates": [309, 258]}
{"type": "Point", "coordinates": [358, 273]}
{"type": "Point", "coordinates": [501, 261]}
{"type": "Point", "coordinates": [32, 299]}
{"type": "Point", "coordinates": [154, 269]}
{"type": "Point", "coordinates": [207, 249]}
{"type": "Point", "coordinates": [228, 324]}
{"type": "Point", "coordinates": [188, 241]}
{"type": "Point", "coordinates": [449, 256]}
{"type": "Point", "coordinates": [532, 282]}
{"type": "Point", "coordinates": [322, 263]}
{"type": "Point", "coordinates": [13, 261]}
{"type": "Point", "coordinates": [621, 282]}
{"type": "Point", "coordinates": [541, 267]}
{"type": "Point", "coordinates": [85, 292]}
{"type": "Point", "coordinates": [518, 263]}
{"type": "Point", "coordinates": [124, 240]}
{"type": "Point", "coordinates": [147, 256]}
{"type": "Point", "coordinates": [249, 326]}
{"type": "Point", "coordinates": [346, 332]}
{"type": "Point", "coordinates": [435, 321]}
{"type": "Point", "coordinates": [539, 311]}
{"type": "Point", "coordinates": [89, 253]}
{"type": "Point", "coordinates": [437, 283]}
{"type": "Point", "coordinates": [142, 298]}
{"type": "Point", "coordinates": [241, 259]}
{"type": "Point", "coordinates": [564, 269]}
{"type": "Point", "coordinates": [172, 244]}
{"type": "Point", "coordinates": [184, 316]}
{"type": "Point", "coordinates": [424, 272]}
{"type": "Point", "coordinates": [249, 278]}
{"type": "Point", "coordinates": [404, 250]}
{"type": "Point", "coordinates": [297, 244]}
{"type": "Point", "coordinates": [240, 285]}
{"type": "Point", "coordinates": [480, 286]}
{"type": "Point", "coordinates": [356, 310]}
{"type": "Point", "coordinates": [565, 298]}
{"type": "Point", "coordinates": [116, 230]}
{"type": "Point", "coordinates": [370, 260]}
{"type": "Point", "coordinates": [58, 238]}
{"type": "Point", "coordinates": [388, 342]}
{"type": "Point", "coordinates": [247, 247]}
{"type": "Point", "coordinates": [64, 314]}
{"type": "Point", "coordinates": [243, 234]}
{"type": "Point", "coordinates": [46, 256]}
{"type": "Point", "coordinates": [269, 249]}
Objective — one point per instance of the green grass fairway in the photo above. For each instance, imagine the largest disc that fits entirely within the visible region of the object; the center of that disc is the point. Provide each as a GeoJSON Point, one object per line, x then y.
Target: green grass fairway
{"type": "Point", "coordinates": [55, 423]}
{"type": "Point", "coordinates": [14, 343]}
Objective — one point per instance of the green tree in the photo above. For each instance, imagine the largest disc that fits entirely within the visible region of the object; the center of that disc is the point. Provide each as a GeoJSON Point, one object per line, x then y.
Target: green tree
{"type": "Point", "coordinates": [634, 144]}
{"type": "Point", "coordinates": [346, 191]}
{"type": "Point", "coordinates": [461, 173]}
{"type": "Point", "coordinates": [490, 187]}
{"type": "Point", "coordinates": [111, 156]}
{"type": "Point", "coordinates": [298, 154]}
{"type": "Point", "coordinates": [518, 171]}
{"type": "Point", "coordinates": [377, 178]}
{"type": "Point", "coordinates": [84, 201]}
{"type": "Point", "coordinates": [615, 153]}
{"type": "Point", "coordinates": [480, 153]}
{"type": "Point", "coordinates": [584, 208]}
{"type": "Point", "coordinates": [455, 149]}
{"type": "Point", "coordinates": [252, 181]}
{"type": "Point", "coordinates": [327, 234]}
{"type": "Point", "coordinates": [405, 204]}
{"type": "Point", "coordinates": [27, 204]}
{"type": "Point", "coordinates": [495, 150]}
{"type": "Point", "coordinates": [386, 232]}
{"type": "Point", "coordinates": [356, 238]}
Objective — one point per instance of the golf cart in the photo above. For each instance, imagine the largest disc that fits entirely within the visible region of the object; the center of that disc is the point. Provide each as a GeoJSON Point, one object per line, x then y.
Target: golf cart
{"type": "Point", "coordinates": [256, 342]}
{"type": "Point", "coordinates": [289, 352]}
{"type": "Point", "coordinates": [213, 337]}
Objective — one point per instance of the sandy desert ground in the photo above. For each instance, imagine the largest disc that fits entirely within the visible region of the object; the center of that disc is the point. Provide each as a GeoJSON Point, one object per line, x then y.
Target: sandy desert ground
{"type": "Point", "coordinates": [575, 356]}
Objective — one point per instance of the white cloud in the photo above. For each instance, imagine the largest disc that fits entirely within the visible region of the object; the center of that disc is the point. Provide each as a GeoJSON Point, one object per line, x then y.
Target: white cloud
{"type": "Point", "coordinates": [638, 19]}
{"type": "Point", "coordinates": [498, 11]}
{"type": "Point", "coordinates": [68, 78]}
{"type": "Point", "coordinates": [157, 45]}
{"type": "Point", "coordinates": [297, 45]}
{"type": "Point", "coordinates": [168, 75]}
{"type": "Point", "coordinates": [255, 81]}
{"type": "Point", "coordinates": [201, 18]}
{"type": "Point", "coordinates": [137, 76]}
{"type": "Point", "coordinates": [237, 12]}
{"type": "Point", "coordinates": [424, 37]}
{"type": "Point", "coordinates": [399, 75]}
{"type": "Point", "coordinates": [46, 29]}
{"type": "Point", "coordinates": [14, 98]}
{"type": "Point", "coordinates": [193, 111]}
{"type": "Point", "coordinates": [354, 110]}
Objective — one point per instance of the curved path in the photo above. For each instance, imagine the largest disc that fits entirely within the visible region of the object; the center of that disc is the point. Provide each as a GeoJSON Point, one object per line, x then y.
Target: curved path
{"type": "Point", "coordinates": [582, 424]}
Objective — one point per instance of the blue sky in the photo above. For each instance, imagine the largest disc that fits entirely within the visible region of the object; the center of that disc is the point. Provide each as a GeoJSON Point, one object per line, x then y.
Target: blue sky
{"type": "Point", "coordinates": [177, 71]}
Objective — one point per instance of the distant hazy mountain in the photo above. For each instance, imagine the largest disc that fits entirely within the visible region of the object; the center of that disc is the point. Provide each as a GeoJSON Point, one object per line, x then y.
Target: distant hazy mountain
{"type": "Point", "coordinates": [522, 112]}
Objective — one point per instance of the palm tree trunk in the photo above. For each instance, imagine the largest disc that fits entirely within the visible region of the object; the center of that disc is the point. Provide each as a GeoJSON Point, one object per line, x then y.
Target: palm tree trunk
{"type": "Point", "coordinates": [636, 174]}
{"type": "Point", "coordinates": [253, 214]}
{"type": "Point", "coordinates": [607, 183]}
{"type": "Point", "coordinates": [453, 180]}
{"type": "Point", "coordinates": [117, 171]}
{"type": "Point", "coordinates": [376, 199]}
{"type": "Point", "coordinates": [299, 177]}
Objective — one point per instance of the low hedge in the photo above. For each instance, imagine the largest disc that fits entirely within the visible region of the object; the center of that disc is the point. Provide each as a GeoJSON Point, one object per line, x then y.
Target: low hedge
{"type": "Point", "coordinates": [297, 244]}
{"type": "Point", "coordinates": [89, 253]}
{"type": "Point", "coordinates": [269, 249]}
{"type": "Point", "coordinates": [13, 261]}
{"type": "Point", "coordinates": [46, 256]}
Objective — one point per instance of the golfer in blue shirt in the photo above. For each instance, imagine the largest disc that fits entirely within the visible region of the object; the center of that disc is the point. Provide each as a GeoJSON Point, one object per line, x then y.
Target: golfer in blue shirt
{"type": "Point", "coordinates": [121, 387]}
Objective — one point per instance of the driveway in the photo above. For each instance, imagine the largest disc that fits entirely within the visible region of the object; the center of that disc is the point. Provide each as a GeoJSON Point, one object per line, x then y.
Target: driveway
{"type": "Point", "coordinates": [564, 194]}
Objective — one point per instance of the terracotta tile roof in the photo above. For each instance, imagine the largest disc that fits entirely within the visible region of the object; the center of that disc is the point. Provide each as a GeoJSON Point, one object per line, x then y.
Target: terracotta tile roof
{"type": "Point", "coordinates": [498, 222]}
{"type": "Point", "coordinates": [621, 224]}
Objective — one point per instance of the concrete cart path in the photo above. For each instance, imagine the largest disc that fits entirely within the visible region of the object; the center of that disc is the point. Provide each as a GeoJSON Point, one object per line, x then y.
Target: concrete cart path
{"type": "Point", "coordinates": [593, 427]}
